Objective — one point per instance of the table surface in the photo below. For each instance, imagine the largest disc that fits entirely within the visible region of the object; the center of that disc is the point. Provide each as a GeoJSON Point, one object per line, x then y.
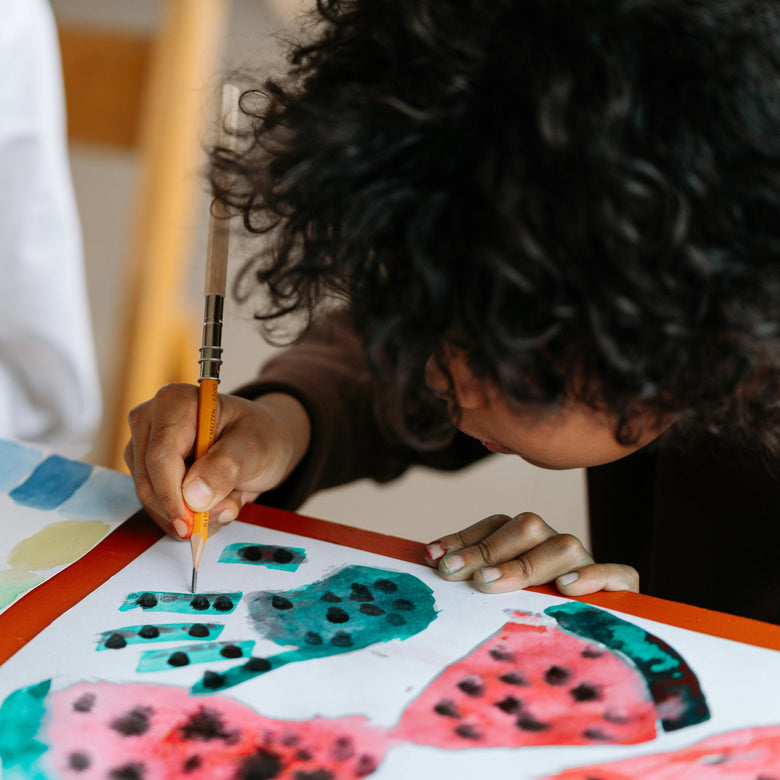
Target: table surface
{"type": "Point", "coordinates": [34, 611]}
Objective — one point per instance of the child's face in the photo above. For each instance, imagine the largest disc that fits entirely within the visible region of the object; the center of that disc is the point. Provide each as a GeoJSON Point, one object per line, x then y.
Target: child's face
{"type": "Point", "coordinates": [570, 435]}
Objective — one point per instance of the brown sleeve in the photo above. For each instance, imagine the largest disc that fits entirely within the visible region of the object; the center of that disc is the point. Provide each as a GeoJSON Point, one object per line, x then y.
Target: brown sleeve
{"type": "Point", "coordinates": [327, 373]}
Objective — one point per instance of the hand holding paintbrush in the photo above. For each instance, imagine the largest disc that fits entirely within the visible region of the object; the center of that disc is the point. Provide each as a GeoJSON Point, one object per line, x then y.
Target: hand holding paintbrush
{"type": "Point", "coordinates": [211, 349]}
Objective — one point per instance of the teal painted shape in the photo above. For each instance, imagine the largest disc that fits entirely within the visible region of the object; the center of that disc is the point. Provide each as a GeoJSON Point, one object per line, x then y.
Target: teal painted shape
{"type": "Point", "coordinates": [272, 556]}
{"type": "Point", "coordinates": [16, 463]}
{"type": "Point", "coordinates": [185, 655]}
{"type": "Point", "coordinates": [163, 601]}
{"type": "Point", "coordinates": [673, 685]}
{"type": "Point", "coordinates": [52, 483]}
{"type": "Point", "coordinates": [158, 632]}
{"type": "Point", "coordinates": [353, 608]}
{"type": "Point", "coordinates": [21, 716]}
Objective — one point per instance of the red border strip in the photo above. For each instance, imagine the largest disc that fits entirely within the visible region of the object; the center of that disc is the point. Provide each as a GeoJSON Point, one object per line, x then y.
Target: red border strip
{"type": "Point", "coordinates": [34, 611]}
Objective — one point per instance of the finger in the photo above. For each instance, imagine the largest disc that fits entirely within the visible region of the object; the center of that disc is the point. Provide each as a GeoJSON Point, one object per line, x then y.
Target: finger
{"type": "Point", "coordinates": [598, 576]}
{"type": "Point", "coordinates": [435, 551]}
{"type": "Point", "coordinates": [559, 554]}
{"type": "Point", "coordinates": [226, 511]}
{"type": "Point", "coordinates": [172, 428]}
{"type": "Point", "coordinates": [511, 538]}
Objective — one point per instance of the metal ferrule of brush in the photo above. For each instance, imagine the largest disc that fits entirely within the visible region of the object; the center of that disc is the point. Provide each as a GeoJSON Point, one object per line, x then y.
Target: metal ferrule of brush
{"type": "Point", "coordinates": [211, 351]}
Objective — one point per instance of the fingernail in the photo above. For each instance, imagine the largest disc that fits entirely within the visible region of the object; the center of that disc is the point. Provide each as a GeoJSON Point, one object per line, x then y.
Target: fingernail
{"type": "Point", "coordinates": [567, 579]}
{"type": "Point", "coordinates": [452, 563]}
{"type": "Point", "coordinates": [226, 516]}
{"type": "Point", "coordinates": [198, 494]}
{"type": "Point", "coordinates": [490, 575]}
{"type": "Point", "coordinates": [434, 551]}
{"type": "Point", "coordinates": [181, 528]}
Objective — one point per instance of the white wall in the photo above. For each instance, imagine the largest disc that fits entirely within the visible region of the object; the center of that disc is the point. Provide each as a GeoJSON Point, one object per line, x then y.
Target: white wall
{"type": "Point", "coordinates": [422, 505]}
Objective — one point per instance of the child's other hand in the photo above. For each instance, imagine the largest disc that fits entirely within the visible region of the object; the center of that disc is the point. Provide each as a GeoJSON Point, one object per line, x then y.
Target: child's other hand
{"type": "Point", "coordinates": [257, 444]}
{"type": "Point", "coordinates": [502, 553]}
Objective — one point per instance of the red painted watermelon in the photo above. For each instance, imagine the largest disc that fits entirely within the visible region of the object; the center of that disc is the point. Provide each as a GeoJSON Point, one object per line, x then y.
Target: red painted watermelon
{"type": "Point", "coordinates": [748, 754]}
{"type": "Point", "coordinates": [138, 732]}
{"type": "Point", "coordinates": [533, 684]}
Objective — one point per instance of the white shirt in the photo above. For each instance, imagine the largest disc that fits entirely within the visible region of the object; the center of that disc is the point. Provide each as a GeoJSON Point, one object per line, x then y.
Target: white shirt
{"type": "Point", "coordinates": [49, 387]}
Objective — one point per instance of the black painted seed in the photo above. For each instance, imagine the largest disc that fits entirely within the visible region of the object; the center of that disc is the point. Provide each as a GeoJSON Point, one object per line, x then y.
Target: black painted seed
{"type": "Point", "coordinates": [596, 734]}
{"type": "Point", "coordinates": [261, 765]}
{"type": "Point", "coordinates": [312, 638]}
{"type": "Point", "coordinates": [115, 642]}
{"type": "Point", "coordinates": [231, 651]}
{"type": "Point", "coordinates": [502, 654]}
{"type": "Point", "coordinates": [200, 602]}
{"type": "Point", "coordinates": [149, 632]}
{"type": "Point", "coordinates": [403, 605]}
{"type": "Point", "coordinates": [585, 692]}
{"type": "Point", "coordinates": [257, 665]}
{"type": "Point", "coordinates": [360, 592]}
{"type": "Point", "coordinates": [510, 705]}
{"type": "Point", "coordinates": [84, 703]}
{"type": "Point", "coordinates": [280, 602]}
{"type": "Point", "coordinates": [127, 772]}
{"type": "Point", "coordinates": [468, 731]}
{"type": "Point", "coordinates": [178, 659]}
{"type": "Point", "coordinates": [447, 708]}
{"type": "Point", "coordinates": [213, 680]}
{"type": "Point", "coordinates": [371, 609]}
{"type": "Point", "coordinates": [343, 748]}
{"type": "Point", "coordinates": [513, 678]}
{"type": "Point", "coordinates": [557, 675]}
{"type": "Point", "coordinates": [204, 725]}
{"type": "Point", "coordinates": [330, 597]}
{"type": "Point", "coordinates": [282, 555]}
{"type": "Point", "coordinates": [394, 619]}
{"type": "Point", "coordinates": [251, 553]}
{"type": "Point", "coordinates": [191, 764]}
{"type": "Point", "coordinates": [528, 722]}
{"type": "Point", "coordinates": [337, 615]}
{"type": "Point", "coordinates": [289, 739]}
{"type": "Point", "coordinates": [78, 762]}
{"type": "Point", "coordinates": [366, 765]}
{"type": "Point", "coordinates": [133, 723]}
{"type": "Point", "coordinates": [198, 630]}
{"type": "Point", "coordinates": [386, 586]}
{"type": "Point", "coordinates": [592, 652]}
{"type": "Point", "coordinates": [341, 639]}
{"type": "Point", "coordinates": [146, 600]}
{"type": "Point", "coordinates": [472, 686]}
{"type": "Point", "coordinates": [317, 774]}
{"type": "Point", "coordinates": [223, 603]}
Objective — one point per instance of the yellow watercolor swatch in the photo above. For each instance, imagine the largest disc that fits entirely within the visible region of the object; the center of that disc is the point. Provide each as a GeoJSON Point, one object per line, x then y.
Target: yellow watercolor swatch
{"type": "Point", "coordinates": [58, 544]}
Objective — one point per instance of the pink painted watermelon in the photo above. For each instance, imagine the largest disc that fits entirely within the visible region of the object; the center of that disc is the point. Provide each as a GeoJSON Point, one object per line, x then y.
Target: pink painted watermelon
{"type": "Point", "coordinates": [533, 684]}
{"type": "Point", "coordinates": [748, 754]}
{"type": "Point", "coordinates": [139, 732]}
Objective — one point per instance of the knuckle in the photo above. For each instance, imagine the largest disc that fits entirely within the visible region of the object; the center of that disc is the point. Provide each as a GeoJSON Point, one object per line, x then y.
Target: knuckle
{"type": "Point", "coordinates": [532, 525]}
{"type": "Point", "coordinates": [567, 545]}
{"type": "Point", "coordinates": [486, 552]}
{"type": "Point", "coordinates": [524, 568]}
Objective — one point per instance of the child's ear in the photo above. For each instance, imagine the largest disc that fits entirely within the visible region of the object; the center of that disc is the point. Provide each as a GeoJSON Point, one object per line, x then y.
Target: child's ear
{"type": "Point", "coordinates": [471, 392]}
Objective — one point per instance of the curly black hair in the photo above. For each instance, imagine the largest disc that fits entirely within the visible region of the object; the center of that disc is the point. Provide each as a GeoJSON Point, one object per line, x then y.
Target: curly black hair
{"type": "Point", "coordinates": [582, 194]}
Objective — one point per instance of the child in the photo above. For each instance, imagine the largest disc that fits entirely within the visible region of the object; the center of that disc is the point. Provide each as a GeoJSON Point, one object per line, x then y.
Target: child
{"type": "Point", "coordinates": [538, 227]}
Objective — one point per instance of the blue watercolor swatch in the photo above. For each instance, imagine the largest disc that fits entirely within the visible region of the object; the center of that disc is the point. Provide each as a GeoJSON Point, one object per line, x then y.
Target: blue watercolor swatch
{"type": "Point", "coordinates": [274, 557]}
{"type": "Point", "coordinates": [106, 494]}
{"type": "Point", "coordinates": [52, 482]}
{"type": "Point", "coordinates": [157, 632]}
{"type": "Point", "coordinates": [159, 660]}
{"type": "Point", "coordinates": [200, 604]}
{"type": "Point", "coordinates": [16, 462]}
{"type": "Point", "coordinates": [353, 608]}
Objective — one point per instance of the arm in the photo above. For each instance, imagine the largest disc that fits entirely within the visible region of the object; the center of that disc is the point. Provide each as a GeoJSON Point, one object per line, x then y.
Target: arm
{"type": "Point", "coordinates": [48, 378]}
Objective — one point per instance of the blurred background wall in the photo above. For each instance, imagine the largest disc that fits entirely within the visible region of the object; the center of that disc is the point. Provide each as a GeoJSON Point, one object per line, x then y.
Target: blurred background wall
{"type": "Point", "coordinates": [422, 505]}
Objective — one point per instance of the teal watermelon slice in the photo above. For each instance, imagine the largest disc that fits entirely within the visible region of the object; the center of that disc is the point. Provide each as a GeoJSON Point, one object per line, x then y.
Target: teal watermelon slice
{"type": "Point", "coordinates": [533, 684]}
{"type": "Point", "coordinates": [140, 732]}
{"type": "Point", "coordinates": [748, 754]}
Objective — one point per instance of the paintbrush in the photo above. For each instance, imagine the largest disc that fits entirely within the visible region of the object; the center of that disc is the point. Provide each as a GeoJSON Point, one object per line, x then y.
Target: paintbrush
{"type": "Point", "coordinates": [211, 345]}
